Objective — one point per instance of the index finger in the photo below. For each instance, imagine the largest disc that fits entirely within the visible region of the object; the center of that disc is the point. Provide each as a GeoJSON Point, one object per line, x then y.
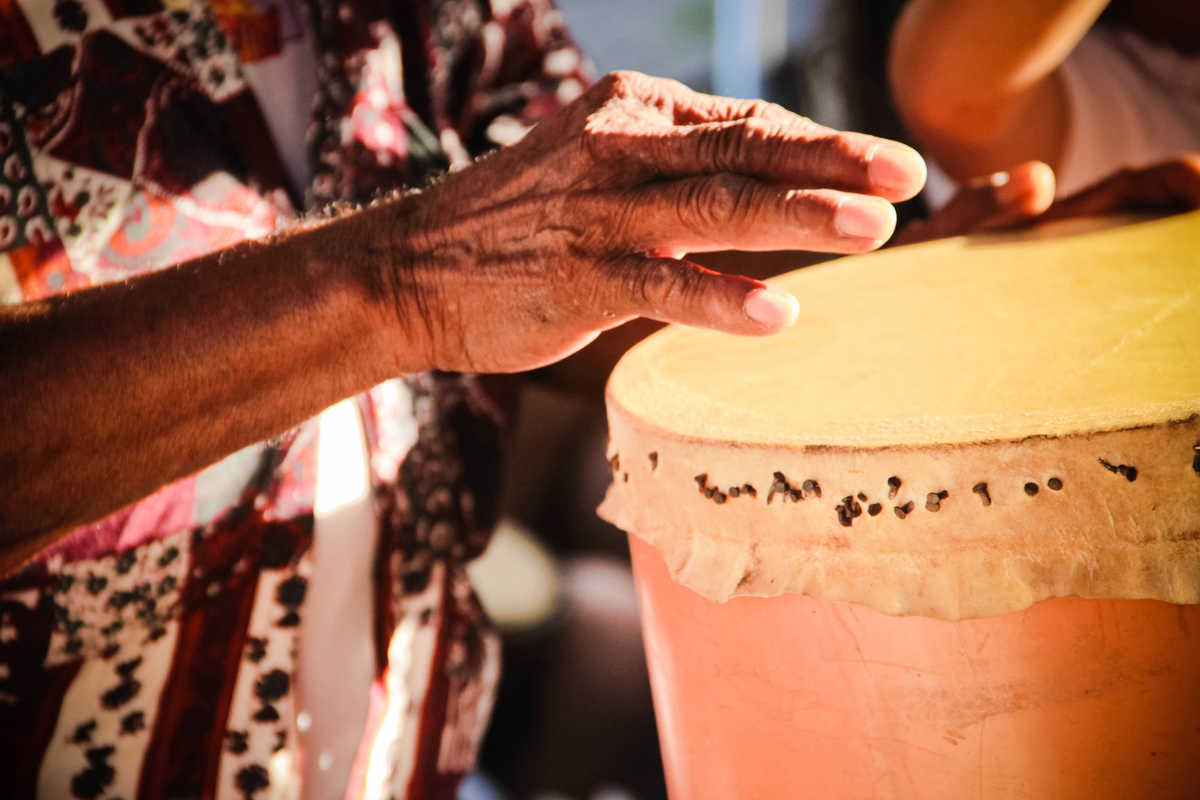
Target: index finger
{"type": "Point", "coordinates": [795, 152]}
{"type": "Point", "coordinates": [691, 133]}
{"type": "Point", "coordinates": [768, 141]}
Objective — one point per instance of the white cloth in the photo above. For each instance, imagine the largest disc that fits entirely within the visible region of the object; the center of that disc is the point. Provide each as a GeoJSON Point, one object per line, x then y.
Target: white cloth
{"type": "Point", "coordinates": [284, 86]}
{"type": "Point", "coordinates": [336, 663]}
{"type": "Point", "coordinates": [1130, 103]}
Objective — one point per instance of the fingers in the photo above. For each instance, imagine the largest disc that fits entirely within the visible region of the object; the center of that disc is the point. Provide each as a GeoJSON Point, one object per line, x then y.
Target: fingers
{"type": "Point", "coordinates": [748, 137]}
{"type": "Point", "coordinates": [795, 152]}
{"type": "Point", "coordinates": [688, 294]}
{"type": "Point", "coordinates": [1023, 192]}
{"type": "Point", "coordinates": [729, 212]}
{"type": "Point", "coordinates": [1171, 185]}
{"type": "Point", "coordinates": [996, 201]}
{"type": "Point", "coordinates": [1182, 177]}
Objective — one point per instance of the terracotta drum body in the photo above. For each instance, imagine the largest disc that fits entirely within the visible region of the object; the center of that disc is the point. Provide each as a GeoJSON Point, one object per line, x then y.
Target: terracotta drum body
{"type": "Point", "coordinates": [939, 540]}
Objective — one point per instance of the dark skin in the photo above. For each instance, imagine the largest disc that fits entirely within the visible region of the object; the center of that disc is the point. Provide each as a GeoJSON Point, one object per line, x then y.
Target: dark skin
{"type": "Point", "coordinates": [510, 264]}
{"type": "Point", "coordinates": [1011, 199]}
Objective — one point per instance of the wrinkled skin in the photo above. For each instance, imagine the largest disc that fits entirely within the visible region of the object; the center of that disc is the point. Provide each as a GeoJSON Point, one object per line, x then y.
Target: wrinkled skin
{"type": "Point", "coordinates": [513, 262]}
{"type": "Point", "coordinates": [525, 256]}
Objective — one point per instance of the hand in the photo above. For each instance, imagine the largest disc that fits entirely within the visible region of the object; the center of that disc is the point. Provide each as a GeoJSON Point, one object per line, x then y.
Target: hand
{"type": "Point", "coordinates": [1025, 195]}
{"type": "Point", "coordinates": [1167, 186]}
{"type": "Point", "coordinates": [525, 256]}
{"type": "Point", "coordinates": [511, 263]}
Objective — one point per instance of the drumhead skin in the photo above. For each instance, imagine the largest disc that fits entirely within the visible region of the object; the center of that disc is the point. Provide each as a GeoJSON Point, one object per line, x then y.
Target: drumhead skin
{"type": "Point", "coordinates": [954, 429]}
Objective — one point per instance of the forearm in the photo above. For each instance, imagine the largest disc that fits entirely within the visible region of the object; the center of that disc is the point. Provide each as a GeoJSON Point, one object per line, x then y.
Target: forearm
{"type": "Point", "coordinates": [509, 264]}
{"type": "Point", "coordinates": [976, 80]}
{"type": "Point", "coordinates": [114, 391]}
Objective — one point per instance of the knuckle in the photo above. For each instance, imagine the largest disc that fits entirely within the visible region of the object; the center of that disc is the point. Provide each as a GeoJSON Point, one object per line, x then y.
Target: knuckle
{"type": "Point", "coordinates": [821, 203]}
{"type": "Point", "coordinates": [619, 211]}
{"type": "Point", "coordinates": [751, 145]}
{"type": "Point", "coordinates": [661, 286]}
{"type": "Point", "coordinates": [781, 117]}
{"type": "Point", "coordinates": [614, 84]}
{"type": "Point", "coordinates": [721, 202]}
{"type": "Point", "coordinates": [668, 86]}
{"type": "Point", "coordinates": [626, 281]}
{"type": "Point", "coordinates": [801, 127]}
{"type": "Point", "coordinates": [812, 210]}
{"type": "Point", "coordinates": [833, 155]}
{"type": "Point", "coordinates": [628, 83]}
{"type": "Point", "coordinates": [759, 109]}
{"type": "Point", "coordinates": [597, 136]}
{"type": "Point", "coordinates": [778, 112]}
{"type": "Point", "coordinates": [839, 148]}
{"type": "Point", "coordinates": [722, 147]}
{"type": "Point", "coordinates": [644, 284]}
{"type": "Point", "coordinates": [766, 145]}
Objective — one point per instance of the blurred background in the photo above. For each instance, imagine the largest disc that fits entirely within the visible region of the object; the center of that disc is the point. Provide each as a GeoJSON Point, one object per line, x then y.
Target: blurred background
{"type": "Point", "coordinates": [574, 717]}
{"type": "Point", "coordinates": [823, 58]}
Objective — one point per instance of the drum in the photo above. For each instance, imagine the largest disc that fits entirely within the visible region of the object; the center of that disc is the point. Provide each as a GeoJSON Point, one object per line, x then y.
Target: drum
{"type": "Point", "coordinates": [940, 539]}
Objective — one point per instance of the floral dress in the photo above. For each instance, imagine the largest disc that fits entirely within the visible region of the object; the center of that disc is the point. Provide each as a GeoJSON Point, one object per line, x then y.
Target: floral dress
{"type": "Point", "coordinates": [152, 653]}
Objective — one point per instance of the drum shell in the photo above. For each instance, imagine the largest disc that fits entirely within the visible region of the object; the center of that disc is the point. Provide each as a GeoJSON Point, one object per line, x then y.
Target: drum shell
{"type": "Point", "coordinates": [793, 697]}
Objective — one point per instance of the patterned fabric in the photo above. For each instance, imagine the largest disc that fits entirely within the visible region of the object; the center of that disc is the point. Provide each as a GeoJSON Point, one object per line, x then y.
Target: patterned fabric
{"type": "Point", "coordinates": [151, 654]}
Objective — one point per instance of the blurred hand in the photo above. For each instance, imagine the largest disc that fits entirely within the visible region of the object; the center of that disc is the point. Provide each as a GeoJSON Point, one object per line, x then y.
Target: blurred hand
{"type": "Point", "coordinates": [525, 256]}
{"type": "Point", "coordinates": [1168, 186]}
{"type": "Point", "coordinates": [1026, 195]}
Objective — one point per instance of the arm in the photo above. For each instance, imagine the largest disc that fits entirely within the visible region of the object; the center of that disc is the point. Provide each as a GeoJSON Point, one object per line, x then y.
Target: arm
{"type": "Point", "coordinates": [509, 264]}
{"type": "Point", "coordinates": [977, 80]}
{"type": "Point", "coordinates": [114, 391]}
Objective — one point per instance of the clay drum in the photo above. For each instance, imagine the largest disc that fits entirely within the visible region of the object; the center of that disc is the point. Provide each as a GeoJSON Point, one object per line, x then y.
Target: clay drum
{"type": "Point", "coordinates": [941, 539]}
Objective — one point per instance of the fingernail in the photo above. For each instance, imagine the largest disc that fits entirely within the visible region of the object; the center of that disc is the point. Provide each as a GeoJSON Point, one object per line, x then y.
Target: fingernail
{"type": "Point", "coordinates": [897, 167]}
{"type": "Point", "coordinates": [1042, 176]}
{"type": "Point", "coordinates": [771, 308]}
{"type": "Point", "coordinates": [1028, 189]}
{"type": "Point", "coordinates": [865, 218]}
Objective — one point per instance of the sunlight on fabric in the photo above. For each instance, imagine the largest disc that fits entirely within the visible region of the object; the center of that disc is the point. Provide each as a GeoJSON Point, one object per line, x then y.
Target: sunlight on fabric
{"type": "Point", "coordinates": [341, 460]}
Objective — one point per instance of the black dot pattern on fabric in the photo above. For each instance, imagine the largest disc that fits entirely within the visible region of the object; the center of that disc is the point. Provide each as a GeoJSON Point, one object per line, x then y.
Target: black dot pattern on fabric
{"type": "Point", "coordinates": [98, 774]}
{"type": "Point", "coordinates": [272, 686]}
{"type": "Point", "coordinates": [291, 591]}
{"type": "Point", "coordinates": [126, 668]}
{"type": "Point", "coordinates": [83, 732]}
{"type": "Point", "coordinates": [71, 15]}
{"type": "Point", "coordinates": [133, 722]}
{"type": "Point", "coordinates": [237, 741]}
{"type": "Point", "coordinates": [266, 714]}
{"type": "Point", "coordinates": [120, 694]}
{"type": "Point", "coordinates": [256, 648]}
{"type": "Point", "coordinates": [252, 779]}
